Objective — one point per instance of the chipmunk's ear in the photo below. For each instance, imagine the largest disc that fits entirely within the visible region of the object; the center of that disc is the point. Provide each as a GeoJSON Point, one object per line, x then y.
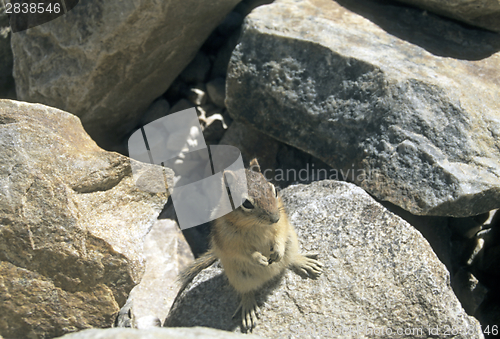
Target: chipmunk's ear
{"type": "Point", "coordinates": [254, 165]}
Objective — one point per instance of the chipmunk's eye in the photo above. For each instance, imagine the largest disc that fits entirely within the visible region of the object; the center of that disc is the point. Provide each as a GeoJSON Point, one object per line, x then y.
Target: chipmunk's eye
{"type": "Point", "coordinates": [247, 204]}
{"type": "Point", "coordinates": [275, 191]}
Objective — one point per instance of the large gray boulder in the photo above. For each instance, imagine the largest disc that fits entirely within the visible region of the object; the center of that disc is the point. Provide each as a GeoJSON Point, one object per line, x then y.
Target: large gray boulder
{"type": "Point", "coordinates": [381, 277]}
{"type": "Point", "coordinates": [398, 116]}
{"type": "Point", "coordinates": [72, 224]}
{"type": "Point", "coordinates": [481, 13]}
{"type": "Point", "coordinates": [106, 61]}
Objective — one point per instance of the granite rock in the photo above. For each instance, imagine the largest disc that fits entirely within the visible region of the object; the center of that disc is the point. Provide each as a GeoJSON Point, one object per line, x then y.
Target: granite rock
{"type": "Point", "coordinates": [380, 277]}
{"type": "Point", "coordinates": [106, 62]}
{"type": "Point", "coordinates": [72, 224]}
{"type": "Point", "coordinates": [406, 103]}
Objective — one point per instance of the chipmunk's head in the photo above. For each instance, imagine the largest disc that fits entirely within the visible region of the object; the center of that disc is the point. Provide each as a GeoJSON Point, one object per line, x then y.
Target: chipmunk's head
{"type": "Point", "coordinates": [260, 204]}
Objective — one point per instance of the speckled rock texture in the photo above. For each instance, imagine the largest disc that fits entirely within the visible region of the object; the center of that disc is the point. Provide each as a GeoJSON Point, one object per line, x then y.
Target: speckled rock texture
{"type": "Point", "coordinates": [72, 225]}
{"type": "Point", "coordinates": [167, 253]}
{"type": "Point", "coordinates": [157, 333]}
{"type": "Point", "coordinates": [381, 277]}
{"type": "Point", "coordinates": [404, 101]}
{"type": "Point", "coordinates": [480, 13]}
{"type": "Point", "coordinates": [106, 61]}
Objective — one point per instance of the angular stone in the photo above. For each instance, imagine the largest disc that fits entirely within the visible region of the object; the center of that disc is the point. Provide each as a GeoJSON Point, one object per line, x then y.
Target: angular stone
{"type": "Point", "coordinates": [72, 224]}
{"type": "Point", "coordinates": [157, 333]}
{"type": "Point", "coordinates": [386, 101]}
{"type": "Point", "coordinates": [436, 230]}
{"type": "Point", "coordinates": [480, 13]}
{"type": "Point", "coordinates": [107, 61]}
{"type": "Point", "coordinates": [380, 275]}
{"type": "Point", "coordinates": [36, 306]}
{"type": "Point", "coordinates": [167, 253]}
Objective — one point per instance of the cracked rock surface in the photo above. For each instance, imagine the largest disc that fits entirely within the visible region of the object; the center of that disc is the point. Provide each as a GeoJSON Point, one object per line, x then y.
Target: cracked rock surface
{"type": "Point", "coordinates": [72, 224]}
{"type": "Point", "coordinates": [380, 276]}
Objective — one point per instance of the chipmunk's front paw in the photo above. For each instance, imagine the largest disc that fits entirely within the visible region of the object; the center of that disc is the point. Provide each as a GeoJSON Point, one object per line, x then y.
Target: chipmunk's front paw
{"type": "Point", "coordinates": [260, 259]}
{"type": "Point", "coordinates": [277, 253]}
{"type": "Point", "coordinates": [309, 265]}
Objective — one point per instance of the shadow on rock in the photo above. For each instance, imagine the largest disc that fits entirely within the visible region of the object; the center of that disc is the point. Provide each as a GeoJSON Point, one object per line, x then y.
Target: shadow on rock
{"type": "Point", "coordinates": [211, 302]}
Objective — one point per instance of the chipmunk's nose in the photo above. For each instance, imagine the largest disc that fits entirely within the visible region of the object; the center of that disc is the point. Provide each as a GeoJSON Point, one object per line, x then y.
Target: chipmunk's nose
{"type": "Point", "coordinates": [275, 217]}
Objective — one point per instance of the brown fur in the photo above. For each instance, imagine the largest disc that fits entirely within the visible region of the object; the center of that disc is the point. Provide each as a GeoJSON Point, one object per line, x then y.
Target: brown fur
{"type": "Point", "coordinates": [254, 245]}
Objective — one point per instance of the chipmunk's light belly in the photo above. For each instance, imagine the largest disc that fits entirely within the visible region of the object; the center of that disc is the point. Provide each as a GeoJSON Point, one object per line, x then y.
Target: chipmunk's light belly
{"type": "Point", "coordinates": [246, 277]}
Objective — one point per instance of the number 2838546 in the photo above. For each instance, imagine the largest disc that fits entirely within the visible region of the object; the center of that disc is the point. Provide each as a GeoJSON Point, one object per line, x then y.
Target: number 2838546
{"type": "Point", "coordinates": [25, 8]}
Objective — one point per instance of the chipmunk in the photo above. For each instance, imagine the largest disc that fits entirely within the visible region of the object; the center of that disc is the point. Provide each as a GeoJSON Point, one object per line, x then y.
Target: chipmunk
{"type": "Point", "coordinates": [254, 243]}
